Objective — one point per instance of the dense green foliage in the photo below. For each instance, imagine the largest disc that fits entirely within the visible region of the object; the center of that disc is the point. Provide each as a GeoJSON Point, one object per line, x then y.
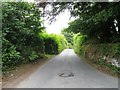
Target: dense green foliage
{"type": "Point", "coordinates": [101, 25]}
{"type": "Point", "coordinates": [0, 38]}
{"type": "Point", "coordinates": [21, 25]}
{"type": "Point", "coordinates": [23, 39]}
{"type": "Point", "coordinates": [98, 25]}
{"type": "Point", "coordinates": [78, 43]}
{"type": "Point", "coordinates": [85, 47]}
{"type": "Point", "coordinates": [53, 43]}
{"type": "Point", "coordinates": [101, 54]}
{"type": "Point", "coordinates": [68, 36]}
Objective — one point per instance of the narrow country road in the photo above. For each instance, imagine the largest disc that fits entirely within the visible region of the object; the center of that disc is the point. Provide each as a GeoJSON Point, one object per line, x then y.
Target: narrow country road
{"type": "Point", "coordinates": [66, 70]}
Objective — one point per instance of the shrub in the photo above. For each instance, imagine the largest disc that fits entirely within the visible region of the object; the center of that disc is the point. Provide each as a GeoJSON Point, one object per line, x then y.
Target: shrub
{"type": "Point", "coordinates": [99, 53]}
{"type": "Point", "coordinates": [78, 43]}
{"type": "Point", "coordinates": [53, 43]}
{"type": "Point", "coordinates": [10, 57]}
{"type": "Point", "coordinates": [21, 24]}
{"type": "Point", "coordinates": [22, 43]}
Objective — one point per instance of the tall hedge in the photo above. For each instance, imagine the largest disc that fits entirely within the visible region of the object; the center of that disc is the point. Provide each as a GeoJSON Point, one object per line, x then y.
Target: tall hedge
{"type": "Point", "coordinates": [107, 54]}
{"type": "Point", "coordinates": [23, 39]}
{"type": "Point", "coordinates": [53, 43]}
{"type": "Point", "coordinates": [78, 43]}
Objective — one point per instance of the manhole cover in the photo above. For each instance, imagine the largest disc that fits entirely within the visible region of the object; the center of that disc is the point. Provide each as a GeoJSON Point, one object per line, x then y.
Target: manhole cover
{"type": "Point", "coordinates": [66, 75]}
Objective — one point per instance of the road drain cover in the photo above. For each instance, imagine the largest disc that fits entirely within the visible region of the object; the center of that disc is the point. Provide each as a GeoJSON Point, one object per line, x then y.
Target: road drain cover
{"type": "Point", "coordinates": [66, 75]}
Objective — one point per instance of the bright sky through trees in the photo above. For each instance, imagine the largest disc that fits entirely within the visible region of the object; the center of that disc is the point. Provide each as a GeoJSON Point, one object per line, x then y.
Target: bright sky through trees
{"type": "Point", "coordinates": [61, 22]}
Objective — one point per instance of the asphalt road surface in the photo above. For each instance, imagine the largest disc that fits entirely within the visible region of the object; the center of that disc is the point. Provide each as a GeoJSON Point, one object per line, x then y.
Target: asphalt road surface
{"type": "Point", "coordinates": [67, 70]}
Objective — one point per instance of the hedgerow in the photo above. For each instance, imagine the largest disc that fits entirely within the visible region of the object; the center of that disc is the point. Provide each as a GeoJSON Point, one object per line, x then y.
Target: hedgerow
{"type": "Point", "coordinates": [21, 40]}
{"type": "Point", "coordinates": [106, 54]}
{"type": "Point", "coordinates": [53, 43]}
{"type": "Point", "coordinates": [78, 43]}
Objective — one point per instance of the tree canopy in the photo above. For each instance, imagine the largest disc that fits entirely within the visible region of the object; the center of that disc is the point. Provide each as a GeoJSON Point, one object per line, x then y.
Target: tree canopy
{"type": "Point", "coordinates": [97, 20]}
